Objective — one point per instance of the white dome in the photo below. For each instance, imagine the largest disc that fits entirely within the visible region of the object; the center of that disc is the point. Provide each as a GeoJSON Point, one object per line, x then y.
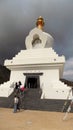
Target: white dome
{"type": "Point", "coordinates": [38, 39]}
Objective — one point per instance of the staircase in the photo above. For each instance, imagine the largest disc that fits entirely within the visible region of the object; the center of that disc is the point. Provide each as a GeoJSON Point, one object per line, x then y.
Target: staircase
{"type": "Point", "coordinates": [31, 101]}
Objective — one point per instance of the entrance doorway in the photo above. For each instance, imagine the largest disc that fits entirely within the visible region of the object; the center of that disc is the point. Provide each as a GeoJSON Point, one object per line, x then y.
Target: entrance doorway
{"type": "Point", "coordinates": [32, 82]}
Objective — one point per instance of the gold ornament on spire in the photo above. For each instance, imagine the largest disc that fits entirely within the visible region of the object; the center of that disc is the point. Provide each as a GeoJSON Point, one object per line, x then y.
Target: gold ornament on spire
{"type": "Point", "coordinates": [40, 23]}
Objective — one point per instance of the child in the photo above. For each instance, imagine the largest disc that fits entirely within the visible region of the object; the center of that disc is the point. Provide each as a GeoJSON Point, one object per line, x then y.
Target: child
{"type": "Point", "coordinates": [15, 103]}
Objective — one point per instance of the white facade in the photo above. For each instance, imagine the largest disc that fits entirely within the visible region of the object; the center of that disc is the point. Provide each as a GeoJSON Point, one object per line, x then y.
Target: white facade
{"type": "Point", "coordinates": [39, 60]}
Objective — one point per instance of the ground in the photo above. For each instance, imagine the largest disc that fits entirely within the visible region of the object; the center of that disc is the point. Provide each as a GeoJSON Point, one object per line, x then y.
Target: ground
{"type": "Point", "coordinates": [34, 120]}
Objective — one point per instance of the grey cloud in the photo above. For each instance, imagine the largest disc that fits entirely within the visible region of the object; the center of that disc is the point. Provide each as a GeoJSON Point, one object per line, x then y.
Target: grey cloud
{"type": "Point", "coordinates": [68, 69]}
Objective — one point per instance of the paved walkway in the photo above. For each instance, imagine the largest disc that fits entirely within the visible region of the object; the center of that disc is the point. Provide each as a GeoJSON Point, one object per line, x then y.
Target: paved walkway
{"type": "Point", "coordinates": [34, 120]}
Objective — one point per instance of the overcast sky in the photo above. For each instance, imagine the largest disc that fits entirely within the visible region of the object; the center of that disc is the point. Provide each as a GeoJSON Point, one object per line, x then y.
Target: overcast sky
{"type": "Point", "coordinates": [18, 17]}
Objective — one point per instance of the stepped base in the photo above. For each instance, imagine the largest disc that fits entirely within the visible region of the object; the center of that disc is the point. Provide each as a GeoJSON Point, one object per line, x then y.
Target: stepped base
{"type": "Point", "coordinates": [56, 90]}
{"type": "Point", "coordinates": [31, 101]}
{"type": "Point", "coordinates": [42, 105]}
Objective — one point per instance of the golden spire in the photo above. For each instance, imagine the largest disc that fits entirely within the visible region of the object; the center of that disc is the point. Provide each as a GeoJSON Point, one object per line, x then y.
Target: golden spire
{"type": "Point", "coordinates": [40, 23]}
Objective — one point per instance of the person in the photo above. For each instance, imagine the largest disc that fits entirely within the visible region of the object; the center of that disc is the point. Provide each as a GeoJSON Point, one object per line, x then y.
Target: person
{"type": "Point", "coordinates": [15, 103]}
{"type": "Point", "coordinates": [18, 104]}
{"type": "Point", "coordinates": [22, 88]}
{"type": "Point", "coordinates": [19, 84]}
{"type": "Point", "coordinates": [16, 88]}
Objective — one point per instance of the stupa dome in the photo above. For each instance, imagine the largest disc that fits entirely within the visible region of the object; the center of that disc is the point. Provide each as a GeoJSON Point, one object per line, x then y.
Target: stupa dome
{"type": "Point", "coordinates": [37, 38]}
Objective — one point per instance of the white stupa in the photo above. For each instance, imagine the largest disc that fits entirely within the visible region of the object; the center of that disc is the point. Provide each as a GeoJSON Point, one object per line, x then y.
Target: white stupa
{"type": "Point", "coordinates": [38, 66]}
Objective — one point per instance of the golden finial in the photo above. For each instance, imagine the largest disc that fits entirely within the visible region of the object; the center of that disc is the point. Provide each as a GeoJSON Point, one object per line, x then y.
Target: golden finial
{"type": "Point", "coordinates": [40, 22]}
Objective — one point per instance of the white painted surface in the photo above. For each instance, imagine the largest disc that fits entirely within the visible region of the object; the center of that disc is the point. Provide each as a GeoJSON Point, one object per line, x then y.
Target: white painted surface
{"type": "Point", "coordinates": [45, 38]}
{"type": "Point", "coordinates": [39, 59]}
{"type": "Point", "coordinates": [55, 90]}
{"type": "Point", "coordinates": [6, 89]}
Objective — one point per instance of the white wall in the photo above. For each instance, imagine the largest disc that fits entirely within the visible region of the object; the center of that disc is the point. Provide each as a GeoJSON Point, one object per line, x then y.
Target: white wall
{"type": "Point", "coordinates": [48, 75]}
{"type": "Point", "coordinates": [17, 76]}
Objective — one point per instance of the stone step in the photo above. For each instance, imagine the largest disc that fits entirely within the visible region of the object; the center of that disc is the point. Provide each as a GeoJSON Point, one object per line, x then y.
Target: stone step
{"type": "Point", "coordinates": [31, 101]}
{"type": "Point", "coordinates": [7, 102]}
